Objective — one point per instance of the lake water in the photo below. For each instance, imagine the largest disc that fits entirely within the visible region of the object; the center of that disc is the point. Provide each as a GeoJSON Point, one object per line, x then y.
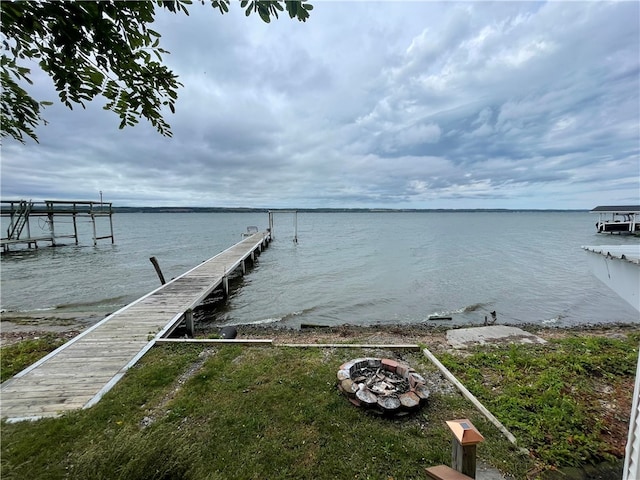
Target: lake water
{"type": "Point", "coordinates": [356, 268]}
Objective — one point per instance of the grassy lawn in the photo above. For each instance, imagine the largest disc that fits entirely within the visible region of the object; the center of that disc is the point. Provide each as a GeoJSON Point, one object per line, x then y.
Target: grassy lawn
{"type": "Point", "coordinates": [568, 401]}
{"type": "Point", "coordinates": [193, 412]}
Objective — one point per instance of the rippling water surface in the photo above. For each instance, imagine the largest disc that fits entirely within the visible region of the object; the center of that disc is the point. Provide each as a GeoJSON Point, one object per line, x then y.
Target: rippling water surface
{"type": "Point", "coordinates": [357, 268]}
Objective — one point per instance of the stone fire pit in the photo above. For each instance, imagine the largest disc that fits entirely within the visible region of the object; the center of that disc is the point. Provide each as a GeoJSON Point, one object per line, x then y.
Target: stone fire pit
{"type": "Point", "coordinates": [383, 385]}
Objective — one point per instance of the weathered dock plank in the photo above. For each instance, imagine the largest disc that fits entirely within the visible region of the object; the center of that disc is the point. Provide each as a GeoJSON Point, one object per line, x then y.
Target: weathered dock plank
{"type": "Point", "coordinates": [77, 374]}
{"type": "Point", "coordinates": [51, 390]}
{"type": "Point", "coordinates": [38, 402]}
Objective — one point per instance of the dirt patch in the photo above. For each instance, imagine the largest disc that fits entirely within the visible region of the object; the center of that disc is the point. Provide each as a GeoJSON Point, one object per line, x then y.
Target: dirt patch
{"type": "Point", "coordinates": [13, 337]}
{"type": "Point", "coordinates": [614, 407]}
{"type": "Point", "coordinates": [18, 326]}
{"type": "Point", "coordinates": [433, 337]}
{"type": "Point", "coordinates": [376, 334]}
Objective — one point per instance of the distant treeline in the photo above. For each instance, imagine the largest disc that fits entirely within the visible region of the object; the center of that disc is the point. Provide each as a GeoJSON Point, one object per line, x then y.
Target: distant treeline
{"type": "Point", "coordinates": [318, 210]}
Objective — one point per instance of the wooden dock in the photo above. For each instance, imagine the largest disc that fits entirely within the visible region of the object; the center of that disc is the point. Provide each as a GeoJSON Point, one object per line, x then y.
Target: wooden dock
{"type": "Point", "coordinates": [80, 372]}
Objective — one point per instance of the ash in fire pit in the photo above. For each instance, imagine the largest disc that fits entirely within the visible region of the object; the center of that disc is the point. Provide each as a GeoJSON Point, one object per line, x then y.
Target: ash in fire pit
{"type": "Point", "coordinates": [384, 385]}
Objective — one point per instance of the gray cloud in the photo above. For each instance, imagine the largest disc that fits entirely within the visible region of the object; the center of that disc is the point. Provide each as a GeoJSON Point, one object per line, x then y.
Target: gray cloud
{"type": "Point", "coordinates": [391, 104]}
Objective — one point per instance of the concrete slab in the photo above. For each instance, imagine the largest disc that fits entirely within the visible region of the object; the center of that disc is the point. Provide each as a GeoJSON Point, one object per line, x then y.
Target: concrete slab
{"type": "Point", "coordinates": [465, 337]}
{"type": "Point", "coordinates": [486, 472]}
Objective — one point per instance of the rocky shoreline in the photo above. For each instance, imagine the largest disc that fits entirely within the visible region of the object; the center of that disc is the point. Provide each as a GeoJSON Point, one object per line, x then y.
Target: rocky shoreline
{"type": "Point", "coordinates": [18, 326]}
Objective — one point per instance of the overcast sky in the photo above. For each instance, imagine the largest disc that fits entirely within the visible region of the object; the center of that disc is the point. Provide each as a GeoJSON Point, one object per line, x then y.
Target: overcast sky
{"type": "Point", "coordinates": [367, 104]}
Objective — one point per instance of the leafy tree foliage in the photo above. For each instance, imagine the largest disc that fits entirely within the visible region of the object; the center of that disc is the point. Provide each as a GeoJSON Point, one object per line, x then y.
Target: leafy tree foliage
{"type": "Point", "coordinates": [92, 48]}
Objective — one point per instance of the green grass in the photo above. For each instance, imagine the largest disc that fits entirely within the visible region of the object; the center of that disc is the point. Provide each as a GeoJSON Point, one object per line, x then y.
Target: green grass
{"type": "Point", "coordinates": [247, 413]}
{"type": "Point", "coordinates": [550, 397]}
{"type": "Point", "coordinates": [256, 412]}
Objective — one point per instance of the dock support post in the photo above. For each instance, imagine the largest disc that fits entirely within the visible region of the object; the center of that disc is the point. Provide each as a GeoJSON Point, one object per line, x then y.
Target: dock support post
{"type": "Point", "coordinates": [113, 240]}
{"type": "Point", "coordinates": [244, 267]}
{"type": "Point", "coordinates": [225, 285]}
{"type": "Point", "coordinates": [188, 321]}
{"type": "Point", "coordinates": [271, 223]}
{"type": "Point", "coordinates": [51, 227]}
{"type": "Point", "coordinates": [29, 232]}
{"type": "Point", "coordinates": [12, 221]}
{"type": "Point", "coordinates": [75, 227]}
{"type": "Point", "coordinates": [95, 235]}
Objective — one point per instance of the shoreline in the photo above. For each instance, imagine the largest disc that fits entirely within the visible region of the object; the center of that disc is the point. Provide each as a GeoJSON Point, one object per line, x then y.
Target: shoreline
{"type": "Point", "coordinates": [19, 326]}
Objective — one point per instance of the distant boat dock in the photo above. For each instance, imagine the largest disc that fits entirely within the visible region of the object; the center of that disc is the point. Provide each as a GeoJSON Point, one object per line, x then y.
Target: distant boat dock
{"type": "Point", "coordinates": [618, 219]}
{"type": "Point", "coordinates": [80, 372]}
{"type": "Point", "coordinates": [21, 213]}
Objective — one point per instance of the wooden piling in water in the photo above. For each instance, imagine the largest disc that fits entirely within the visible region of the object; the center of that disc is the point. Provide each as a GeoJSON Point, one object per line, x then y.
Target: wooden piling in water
{"type": "Point", "coordinates": [156, 266]}
{"type": "Point", "coordinates": [188, 320]}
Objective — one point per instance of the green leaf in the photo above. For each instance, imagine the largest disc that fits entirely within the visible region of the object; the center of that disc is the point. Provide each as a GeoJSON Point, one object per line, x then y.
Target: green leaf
{"type": "Point", "coordinates": [292, 8]}
{"type": "Point", "coordinates": [265, 17]}
{"type": "Point", "coordinates": [96, 77]}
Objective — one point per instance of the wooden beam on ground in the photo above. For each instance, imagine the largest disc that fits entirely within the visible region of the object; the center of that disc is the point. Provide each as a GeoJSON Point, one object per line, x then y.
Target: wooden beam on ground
{"type": "Point", "coordinates": [469, 396]}
{"type": "Point", "coordinates": [218, 341]}
{"type": "Point", "coordinates": [271, 342]}
{"type": "Point", "coordinates": [401, 346]}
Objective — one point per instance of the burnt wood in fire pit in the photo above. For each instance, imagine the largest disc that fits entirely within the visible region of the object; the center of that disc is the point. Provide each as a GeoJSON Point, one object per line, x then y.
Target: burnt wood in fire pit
{"type": "Point", "coordinates": [382, 385]}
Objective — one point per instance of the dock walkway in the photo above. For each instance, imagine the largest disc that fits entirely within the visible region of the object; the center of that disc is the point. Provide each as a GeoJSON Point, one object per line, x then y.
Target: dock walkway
{"type": "Point", "coordinates": [80, 372]}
